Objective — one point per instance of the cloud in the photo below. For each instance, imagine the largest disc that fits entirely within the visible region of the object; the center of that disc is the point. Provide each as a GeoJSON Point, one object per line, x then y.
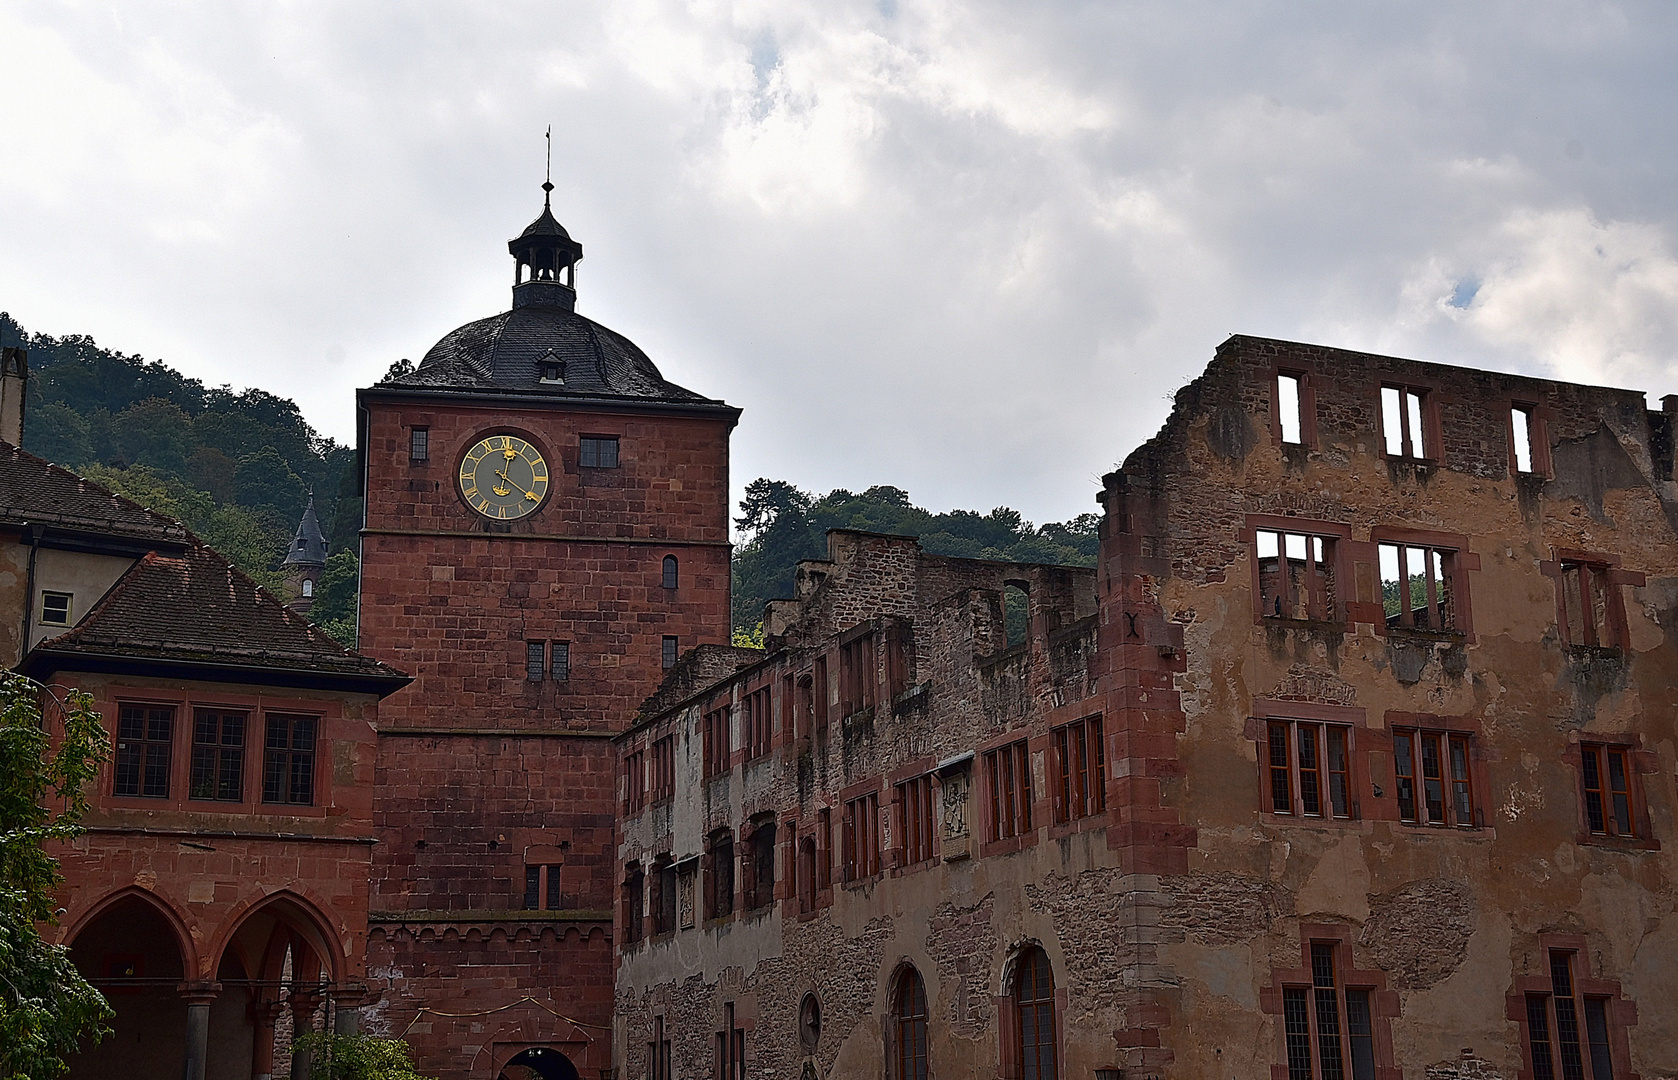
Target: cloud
{"type": "Point", "coordinates": [967, 248]}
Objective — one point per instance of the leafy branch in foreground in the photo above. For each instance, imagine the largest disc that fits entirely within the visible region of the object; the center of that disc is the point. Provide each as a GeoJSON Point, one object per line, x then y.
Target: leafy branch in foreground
{"type": "Point", "coordinates": [46, 1006]}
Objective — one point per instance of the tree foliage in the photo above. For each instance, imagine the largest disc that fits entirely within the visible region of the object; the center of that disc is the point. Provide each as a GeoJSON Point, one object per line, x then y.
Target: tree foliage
{"type": "Point", "coordinates": [782, 524]}
{"type": "Point", "coordinates": [358, 1057]}
{"type": "Point", "coordinates": [46, 1006]}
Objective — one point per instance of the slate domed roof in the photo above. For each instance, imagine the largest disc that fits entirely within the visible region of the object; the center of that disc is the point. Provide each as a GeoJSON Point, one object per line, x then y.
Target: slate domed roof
{"type": "Point", "coordinates": [542, 347]}
{"type": "Point", "coordinates": [516, 349]}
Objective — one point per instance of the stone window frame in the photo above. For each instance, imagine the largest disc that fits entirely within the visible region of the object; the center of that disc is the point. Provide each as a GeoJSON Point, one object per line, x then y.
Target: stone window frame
{"type": "Point", "coordinates": [898, 780]}
{"type": "Point", "coordinates": [1622, 1014]}
{"type": "Point", "coordinates": [327, 715]}
{"type": "Point", "coordinates": [1361, 741]}
{"type": "Point", "coordinates": [762, 830]}
{"type": "Point", "coordinates": [1463, 562]}
{"type": "Point", "coordinates": [1640, 762]}
{"type": "Point", "coordinates": [905, 970]}
{"type": "Point", "coordinates": [1433, 428]}
{"type": "Point", "coordinates": [1383, 1002]}
{"type": "Point", "coordinates": [756, 710]}
{"type": "Point", "coordinates": [634, 782]}
{"type": "Point", "coordinates": [419, 444]}
{"type": "Point", "coordinates": [1308, 439]}
{"type": "Point", "coordinates": [1345, 550]}
{"type": "Point", "coordinates": [1038, 805]}
{"type": "Point", "coordinates": [1614, 576]}
{"type": "Point", "coordinates": [1009, 1051]}
{"type": "Point", "coordinates": [1538, 436]}
{"type": "Point", "coordinates": [1055, 721]}
{"type": "Point", "coordinates": [633, 893]}
{"type": "Point", "coordinates": [709, 863]}
{"type": "Point", "coordinates": [661, 762]}
{"type": "Point", "coordinates": [1480, 757]}
{"type": "Point", "coordinates": [716, 720]}
{"type": "Point", "coordinates": [661, 895]}
{"type": "Point", "coordinates": [848, 797]}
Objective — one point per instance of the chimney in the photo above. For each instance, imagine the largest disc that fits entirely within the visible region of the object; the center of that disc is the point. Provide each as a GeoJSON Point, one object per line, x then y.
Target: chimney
{"type": "Point", "coordinates": [14, 381]}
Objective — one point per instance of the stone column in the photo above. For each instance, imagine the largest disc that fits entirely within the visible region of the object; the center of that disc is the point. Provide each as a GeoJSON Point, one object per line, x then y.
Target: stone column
{"type": "Point", "coordinates": [198, 998]}
{"type": "Point", "coordinates": [303, 1006]}
{"type": "Point", "coordinates": [264, 1013]}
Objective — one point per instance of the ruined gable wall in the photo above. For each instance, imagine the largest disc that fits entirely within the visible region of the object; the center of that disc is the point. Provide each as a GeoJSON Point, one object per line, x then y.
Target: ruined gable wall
{"type": "Point", "coordinates": [1449, 918]}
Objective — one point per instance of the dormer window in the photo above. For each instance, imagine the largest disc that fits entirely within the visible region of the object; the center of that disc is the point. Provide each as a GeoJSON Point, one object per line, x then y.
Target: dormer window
{"type": "Point", "coordinates": [550, 369]}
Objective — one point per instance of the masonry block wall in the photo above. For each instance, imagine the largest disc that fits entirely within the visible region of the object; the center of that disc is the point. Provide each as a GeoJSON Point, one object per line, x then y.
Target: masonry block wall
{"type": "Point", "coordinates": [1402, 780]}
{"type": "Point", "coordinates": [492, 883]}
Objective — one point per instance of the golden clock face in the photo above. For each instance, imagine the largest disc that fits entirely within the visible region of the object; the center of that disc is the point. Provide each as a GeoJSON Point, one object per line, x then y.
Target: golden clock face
{"type": "Point", "coordinates": [503, 477]}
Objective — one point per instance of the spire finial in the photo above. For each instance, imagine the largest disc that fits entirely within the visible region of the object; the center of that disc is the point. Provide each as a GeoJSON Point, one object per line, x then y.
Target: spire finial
{"type": "Point", "coordinates": [548, 180]}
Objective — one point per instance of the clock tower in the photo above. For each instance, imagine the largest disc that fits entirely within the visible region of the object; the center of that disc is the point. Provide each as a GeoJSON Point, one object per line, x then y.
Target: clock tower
{"type": "Point", "coordinates": [546, 531]}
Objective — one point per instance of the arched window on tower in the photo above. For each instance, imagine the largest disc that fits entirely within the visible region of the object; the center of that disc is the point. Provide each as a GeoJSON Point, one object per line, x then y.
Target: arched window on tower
{"type": "Point", "coordinates": [1034, 1015]}
{"type": "Point", "coordinates": [308, 588]}
{"type": "Point", "coordinates": [909, 1026]}
{"type": "Point", "coordinates": [670, 571]}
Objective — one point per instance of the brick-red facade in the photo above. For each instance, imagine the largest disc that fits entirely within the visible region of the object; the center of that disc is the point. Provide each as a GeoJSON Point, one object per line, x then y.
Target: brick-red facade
{"type": "Point", "coordinates": [483, 770]}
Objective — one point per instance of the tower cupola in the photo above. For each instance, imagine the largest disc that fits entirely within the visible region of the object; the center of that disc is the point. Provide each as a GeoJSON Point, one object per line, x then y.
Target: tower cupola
{"type": "Point", "coordinates": [545, 261]}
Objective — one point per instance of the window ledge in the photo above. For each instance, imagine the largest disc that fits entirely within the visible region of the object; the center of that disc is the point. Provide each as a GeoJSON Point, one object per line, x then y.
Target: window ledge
{"type": "Point", "coordinates": [1087, 823]}
{"type": "Point", "coordinates": [861, 882]}
{"type": "Point", "coordinates": [1288, 623]}
{"type": "Point", "coordinates": [1007, 845]}
{"type": "Point", "coordinates": [1416, 633]}
{"type": "Point", "coordinates": [1618, 843]}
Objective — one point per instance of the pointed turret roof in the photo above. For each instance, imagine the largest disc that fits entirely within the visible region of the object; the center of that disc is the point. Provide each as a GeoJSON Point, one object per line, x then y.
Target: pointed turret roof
{"type": "Point", "coordinates": [309, 547]}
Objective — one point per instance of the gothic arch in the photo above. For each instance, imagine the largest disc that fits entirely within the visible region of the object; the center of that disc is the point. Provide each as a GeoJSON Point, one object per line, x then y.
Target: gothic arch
{"type": "Point", "coordinates": [299, 914]}
{"type": "Point", "coordinates": [174, 919]}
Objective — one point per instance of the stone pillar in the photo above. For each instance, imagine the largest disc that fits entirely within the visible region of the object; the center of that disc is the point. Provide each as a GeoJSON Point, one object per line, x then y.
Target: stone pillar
{"type": "Point", "coordinates": [198, 997]}
{"type": "Point", "coordinates": [347, 1019]}
{"type": "Point", "coordinates": [264, 1013]}
{"type": "Point", "coordinates": [303, 1006]}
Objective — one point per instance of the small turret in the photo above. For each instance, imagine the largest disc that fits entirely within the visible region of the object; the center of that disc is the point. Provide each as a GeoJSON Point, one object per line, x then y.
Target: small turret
{"type": "Point", "coordinates": [306, 559]}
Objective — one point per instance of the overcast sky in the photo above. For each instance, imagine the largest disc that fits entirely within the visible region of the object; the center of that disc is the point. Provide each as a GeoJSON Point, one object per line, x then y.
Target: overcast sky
{"type": "Point", "coordinates": [967, 249]}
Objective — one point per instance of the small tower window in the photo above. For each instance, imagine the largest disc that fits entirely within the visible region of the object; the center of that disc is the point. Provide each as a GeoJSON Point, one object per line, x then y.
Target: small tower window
{"type": "Point", "coordinates": [419, 446]}
{"type": "Point", "coordinates": [670, 571]}
{"type": "Point", "coordinates": [669, 652]}
{"type": "Point", "coordinates": [55, 609]}
{"type": "Point", "coordinates": [598, 452]}
{"type": "Point", "coordinates": [308, 588]}
{"type": "Point", "coordinates": [551, 369]}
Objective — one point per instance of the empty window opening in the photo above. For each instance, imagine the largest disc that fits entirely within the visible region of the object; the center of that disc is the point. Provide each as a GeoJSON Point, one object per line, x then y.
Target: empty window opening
{"type": "Point", "coordinates": [55, 608]}
{"type": "Point", "coordinates": [1586, 599]}
{"type": "Point", "coordinates": [1008, 771]}
{"type": "Point", "coordinates": [596, 452]}
{"type": "Point", "coordinates": [858, 675]}
{"type": "Point", "coordinates": [760, 890]}
{"type": "Point", "coordinates": [1432, 774]}
{"type": "Point", "coordinates": [756, 717]}
{"type": "Point", "coordinates": [1309, 769]}
{"type": "Point", "coordinates": [807, 874]}
{"type": "Point", "coordinates": [1296, 575]}
{"type": "Point", "coordinates": [419, 444]}
{"type": "Point", "coordinates": [670, 571]}
{"type": "Point", "coordinates": [633, 890]}
{"type": "Point", "coordinates": [1416, 587]}
{"type": "Point", "coordinates": [1607, 786]}
{"type": "Point", "coordinates": [1401, 422]}
{"type": "Point", "coordinates": [218, 755]}
{"type": "Point", "coordinates": [719, 878]}
{"type": "Point", "coordinates": [1520, 426]}
{"type": "Point", "coordinates": [1334, 1021]}
{"type": "Point", "coordinates": [144, 742]}
{"type": "Point", "coordinates": [1287, 409]}
{"type": "Point", "coordinates": [1016, 611]}
{"type": "Point", "coordinates": [634, 783]}
{"type": "Point", "coordinates": [664, 895]}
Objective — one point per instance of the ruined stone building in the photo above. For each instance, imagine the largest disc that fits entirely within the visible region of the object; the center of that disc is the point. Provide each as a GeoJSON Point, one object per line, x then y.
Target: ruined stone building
{"type": "Point", "coordinates": [1354, 757]}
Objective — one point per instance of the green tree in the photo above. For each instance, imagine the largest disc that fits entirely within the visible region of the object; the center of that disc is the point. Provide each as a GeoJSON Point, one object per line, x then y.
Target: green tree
{"type": "Point", "coordinates": [46, 1006]}
{"type": "Point", "coordinates": [358, 1057]}
{"type": "Point", "coordinates": [334, 608]}
{"type": "Point", "coordinates": [265, 480]}
{"type": "Point", "coordinates": [64, 437]}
